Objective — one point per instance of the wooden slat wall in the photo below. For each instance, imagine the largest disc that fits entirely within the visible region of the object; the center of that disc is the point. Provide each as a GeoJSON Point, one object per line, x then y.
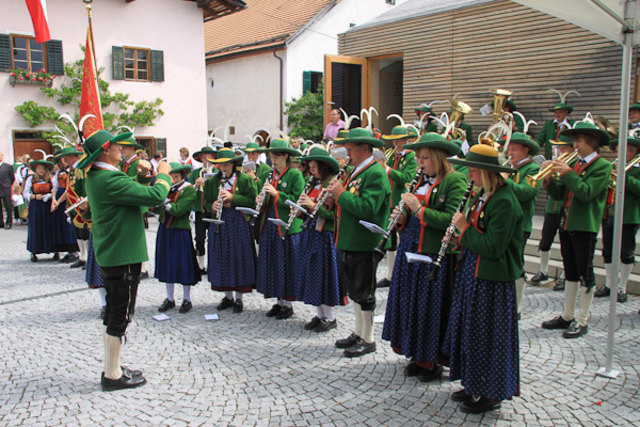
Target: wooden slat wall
{"type": "Point", "coordinates": [500, 44]}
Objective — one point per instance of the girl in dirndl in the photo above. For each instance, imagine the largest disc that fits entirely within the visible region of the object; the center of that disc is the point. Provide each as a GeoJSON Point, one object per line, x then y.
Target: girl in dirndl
{"type": "Point", "coordinates": [417, 307]}
{"type": "Point", "coordinates": [175, 255]}
{"type": "Point", "coordinates": [38, 191]}
{"type": "Point", "coordinates": [319, 285]}
{"type": "Point", "coordinates": [63, 230]}
{"type": "Point", "coordinates": [277, 275]}
{"type": "Point", "coordinates": [231, 250]}
{"type": "Point", "coordinates": [482, 335]}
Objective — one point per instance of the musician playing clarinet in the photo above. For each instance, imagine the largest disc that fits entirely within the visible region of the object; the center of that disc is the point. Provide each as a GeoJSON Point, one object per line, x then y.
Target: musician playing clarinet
{"type": "Point", "coordinates": [363, 196]}
{"type": "Point", "coordinates": [417, 307]}
{"type": "Point", "coordinates": [231, 248]}
{"type": "Point", "coordinates": [482, 335]}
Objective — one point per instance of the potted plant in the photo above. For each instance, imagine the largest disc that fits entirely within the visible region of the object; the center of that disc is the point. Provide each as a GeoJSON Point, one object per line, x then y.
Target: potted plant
{"type": "Point", "coordinates": [20, 75]}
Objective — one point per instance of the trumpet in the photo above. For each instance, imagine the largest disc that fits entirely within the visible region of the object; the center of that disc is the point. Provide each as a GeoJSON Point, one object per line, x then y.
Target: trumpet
{"type": "Point", "coordinates": [532, 180]}
{"type": "Point", "coordinates": [614, 175]}
{"type": "Point", "coordinates": [263, 197]}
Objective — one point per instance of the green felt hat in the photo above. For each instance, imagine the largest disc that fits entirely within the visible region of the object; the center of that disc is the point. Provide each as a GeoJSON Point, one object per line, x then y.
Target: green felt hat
{"type": "Point", "coordinates": [523, 139]}
{"type": "Point", "coordinates": [424, 108]}
{"type": "Point", "coordinates": [635, 106]}
{"type": "Point", "coordinates": [225, 155]}
{"type": "Point", "coordinates": [435, 140]}
{"type": "Point", "coordinates": [177, 167]}
{"type": "Point", "coordinates": [95, 145]}
{"type": "Point", "coordinates": [342, 134]}
{"type": "Point", "coordinates": [207, 151]}
{"type": "Point", "coordinates": [253, 146]}
{"type": "Point", "coordinates": [588, 128]}
{"type": "Point", "coordinates": [633, 141]}
{"type": "Point", "coordinates": [280, 145]}
{"type": "Point", "coordinates": [34, 163]}
{"type": "Point", "coordinates": [482, 156]}
{"type": "Point", "coordinates": [131, 141]}
{"type": "Point", "coordinates": [320, 155]}
{"type": "Point", "coordinates": [512, 105]}
{"type": "Point", "coordinates": [562, 106]}
{"type": "Point", "coordinates": [563, 140]}
{"type": "Point", "coordinates": [361, 136]}
{"type": "Point", "coordinates": [67, 151]}
{"type": "Point", "coordinates": [398, 132]}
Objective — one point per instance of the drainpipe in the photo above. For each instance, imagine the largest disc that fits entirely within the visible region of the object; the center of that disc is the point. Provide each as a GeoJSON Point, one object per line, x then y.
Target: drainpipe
{"type": "Point", "coordinates": [281, 88]}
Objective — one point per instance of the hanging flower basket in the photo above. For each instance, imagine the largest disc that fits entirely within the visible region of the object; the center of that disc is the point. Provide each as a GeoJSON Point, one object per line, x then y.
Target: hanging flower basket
{"type": "Point", "coordinates": [22, 76]}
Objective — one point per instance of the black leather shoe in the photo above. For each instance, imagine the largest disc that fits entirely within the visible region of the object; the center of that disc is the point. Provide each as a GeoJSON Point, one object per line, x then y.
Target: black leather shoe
{"type": "Point", "coordinates": [602, 292]}
{"type": "Point", "coordinates": [428, 375]}
{"type": "Point", "coordinates": [360, 348]}
{"type": "Point", "coordinates": [556, 323]}
{"type": "Point", "coordinates": [347, 342]}
{"type": "Point", "coordinates": [166, 305]}
{"type": "Point", "coordinates": [460, 396]}
{"type": "Point", "coordinates": [103, 311]}
{"type": "Point", "coordinates": [56, 256]}
{"type": "Point", "coordinates": [203, 271]}
{"type": "Point", "coordinates": [69, 258]}
{"type": "Point", "coordinates": [326, 325]}
{"type": "Point", "coordinates": [130, 372]}
{"type": "Point", "coordinates": [478, 405]}
{"type": "Point", "coordinates": [412, 370]}
{"type": "Point", "coordinates": [238, 306]}
{"type": "Point", "coordinates": [8, 226]}
{"type": "Point", "coordinates": [274, 310]}
{"type": "Point", "coordinates": [144, 275]}
{"type": "Point", "coordinates": [384, 283]}
{"type": "Point", "coordinates": [186, 306]}
{"type": "Point", "coordinates": [622, 297]}
{"type": "Point", "coordinates": [224, 304]}
{"type": "Point", "coordinates": [78, 263]}
{"type": "Point", "coordinates": [575, 330]}
{"type": "Point", "coordinates": [312, 324]}
{"type": "Point", "coordinates": [34, 258]}
{"type": "Point", "coordinates": [538, 278]}
{"type": "Point", "coordinates": [285, 313]}
{"type": "Point", "coordinates": [559, 286]}
{"type": "Point", "coordinates": [122, 383]}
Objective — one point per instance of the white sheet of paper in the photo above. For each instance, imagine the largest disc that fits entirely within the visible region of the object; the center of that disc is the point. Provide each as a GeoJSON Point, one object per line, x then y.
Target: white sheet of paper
{"type": "Point", "coordinates": [374, 228]}
{"type": "Point", "coordinates": [411, 257]}
{"type": "Point", "coordinates": [296, 206]}
{"type": "Point", "coordinates": [208, 220]}
{"type": "Point", "coordinates": [247, 211]}
{"type": "Point", "coordinates": [213, 316]}
{"type": "Point", "coordinates": [161, 317]}
{"type": "Point", "coordinates": [485, 110]}
{"type": "Point", "coordinates": [277, 221]}
{"type": "Point", "coordinates": [379, 318]}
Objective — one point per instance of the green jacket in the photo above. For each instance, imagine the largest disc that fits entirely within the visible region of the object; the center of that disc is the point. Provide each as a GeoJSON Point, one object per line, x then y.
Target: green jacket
{"type": "Point", "coordinates": [632, 196]}
{"type": "Point", "coordinates": [549, 132]}
{"type": "Point", "coordinates": [366, 197]}
{"type": "Point", "coordinates": [116, 211]}
{"type": "Point", "coordinates": [262, 170]}
{"type": "Point", "coordinates": [289, 186]}
{"type": "Point", "coordinates": [402, 169]}
{"type": "Point", "coordinates": [497, 236]}
{"type": "Point", "coordinates": [442, 201]}
{"type": "Point", "coordinates": [326, 217]}
{"type": "Point", "coordinates": [469, 133]}
{"type": "Point", "coordinates": [525, 193]}
{"type": "Point", "coordinates": [586, 194]}
{"type": "Point", "coordinates": [178, 216]}
{"type": "Point", "coordinates": [244, 191]}
{"type": "Point", "coordinates": [131, 169]}
{"type": "Point", "coordinates": [198, 204]}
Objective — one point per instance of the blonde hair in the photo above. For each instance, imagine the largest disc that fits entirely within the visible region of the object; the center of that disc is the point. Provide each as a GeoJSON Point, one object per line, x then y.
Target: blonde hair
{"type": "Point", "coordinates": [46, 176]}
{"type": "Point", "coordinates": [439, 159]}
{"type": "Point", "coordinates": [491, 180]}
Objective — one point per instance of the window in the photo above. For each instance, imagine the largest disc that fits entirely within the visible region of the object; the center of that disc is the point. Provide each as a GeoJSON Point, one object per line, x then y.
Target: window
{"type": "Point", "coordinates": [27, 54]}
{"type": "Point", "coordinates": [137, 64]}
{"type": "Point", "coordinates": [311, 81]}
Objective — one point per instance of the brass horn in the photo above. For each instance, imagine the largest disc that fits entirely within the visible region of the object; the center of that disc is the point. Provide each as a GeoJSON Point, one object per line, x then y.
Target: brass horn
{"type": "Point", "coordinates": [500, 97]}
{"type": "Point", "coordinates": [459, 109]}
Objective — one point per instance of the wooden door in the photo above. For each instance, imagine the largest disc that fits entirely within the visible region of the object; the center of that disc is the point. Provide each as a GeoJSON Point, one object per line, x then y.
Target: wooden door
{"type": "Point", "coordinates": [346, 85]}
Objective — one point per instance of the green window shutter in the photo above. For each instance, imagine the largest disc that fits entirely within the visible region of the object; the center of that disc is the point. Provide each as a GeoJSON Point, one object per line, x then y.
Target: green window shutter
{"type": "Point", "coordinates": [5, 52]}
{"type": "Point", "coordinates": [157, 66]}
{"type": "Point", "coordinates": [117, 63]}
{"type": "Point", "coordinates": [55, 62]}
{"type": "Point", "coordinates": [306, 82]}
{"type": "Point", "coordinates": [161, 145]}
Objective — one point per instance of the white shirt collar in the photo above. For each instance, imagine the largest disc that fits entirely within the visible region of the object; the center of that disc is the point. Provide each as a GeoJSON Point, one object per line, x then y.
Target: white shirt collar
{"type": "Point", "coordinates": [104, 165]}
{"type": "Point", "coordinates": [131, 158]}
{"type": "Point", "coordinates": [362, 165]}
{"type": "Point", "coordinates": [564, 122]}
{"type": "Point", "coordinates": [522, 161]}
{"type": "Point", "coordinates": [590, 157]}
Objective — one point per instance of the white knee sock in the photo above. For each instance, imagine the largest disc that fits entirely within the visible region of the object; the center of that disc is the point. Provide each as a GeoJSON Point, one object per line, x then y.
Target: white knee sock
{"type": "Point", "coordinates": [82, 249]}
{"type": "Point", "coordinates": [239, 296]}
{"type": "Point", "coordinates": [143, 267]}
{"type": "Point", "coordinates": [391, 261]}
{"type": "Point", "coordinates": [367, 325]}
{"type": "Point", "coordinates": [625, 272]}
{"type": "Point", "coordinates": [287, 304]}
{"type": "Point", "coordinates": [327, 310]}
{"type": "Point", "coordinates": [570, 296]}
{"type": "Point", "coordinates": [112, 346]}
{"type": "Point", "coordinates": [585, 305]}
{"type": "Point", "coordinates": [201, 261]}
{"type": "Point", "coordinates": [228, 295]}
{"type": "Point", "coordinates": [544, 262]}
{"type": "Point", "coordinates": [169, 287]}
{"type": "Point", "coordinates": [608, 268]}
{"type": "Point", "coordinates": [186, 293]}
{"type": "Point", "coordinates": [357, 309]}
{"type": "Point", "coordinates": [520, 285]}
{"type": "Point", "coordinates": [320, 312]}
{"type": "Point", "coordinates": [103, 296]}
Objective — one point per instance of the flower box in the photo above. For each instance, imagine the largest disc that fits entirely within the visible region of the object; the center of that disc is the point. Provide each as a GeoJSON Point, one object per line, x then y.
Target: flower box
{"type": "Point", "coordinates": [13, 80]}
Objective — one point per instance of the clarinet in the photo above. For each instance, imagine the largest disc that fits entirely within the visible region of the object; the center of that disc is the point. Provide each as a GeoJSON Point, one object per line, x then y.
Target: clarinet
{"type": "Point", "coordinates": [396, 217]}
{"type": "Point", "coordinates": [263, 197]}
{"type": "Point", "coordinates": [449, 234]}
{"type": "Point", "coordinates": [293, 214]}
{"type": "Point", "coordinates": [219, 212]}
{"type": "Point", "coordinates": [323, 198]}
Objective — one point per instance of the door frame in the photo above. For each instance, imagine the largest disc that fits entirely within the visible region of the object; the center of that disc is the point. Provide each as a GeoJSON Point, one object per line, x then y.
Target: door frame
{"type": "Point", "coordinates": [364, 90]}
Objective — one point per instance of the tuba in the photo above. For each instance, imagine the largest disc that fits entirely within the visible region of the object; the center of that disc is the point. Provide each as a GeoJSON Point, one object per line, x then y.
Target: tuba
{"type": "Point", "coordinates": [500, 97]}
{"type": "Point", "coordinates": [459, 109]}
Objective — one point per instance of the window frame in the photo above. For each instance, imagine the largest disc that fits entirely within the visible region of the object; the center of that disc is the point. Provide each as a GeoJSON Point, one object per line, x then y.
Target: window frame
{"type": "Point", "coordinates": [135, 62]}
{"type": "Point", "coordinates": [28, 40]}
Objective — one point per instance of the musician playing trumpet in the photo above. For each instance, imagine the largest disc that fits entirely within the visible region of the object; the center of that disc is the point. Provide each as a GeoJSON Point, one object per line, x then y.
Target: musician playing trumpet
{"type": "Point", "coordinates": [418, 308]}
{"type": "Point", "coordinates": [584, 189]}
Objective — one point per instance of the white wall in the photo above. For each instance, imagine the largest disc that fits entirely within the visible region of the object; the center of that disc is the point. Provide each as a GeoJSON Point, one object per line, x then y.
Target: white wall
{"type": "Point", "coordinates": [172, 26]}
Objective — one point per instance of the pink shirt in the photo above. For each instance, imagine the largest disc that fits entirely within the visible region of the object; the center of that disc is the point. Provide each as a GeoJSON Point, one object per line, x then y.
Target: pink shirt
{"type": "Point", "coordinates": [331, 131]}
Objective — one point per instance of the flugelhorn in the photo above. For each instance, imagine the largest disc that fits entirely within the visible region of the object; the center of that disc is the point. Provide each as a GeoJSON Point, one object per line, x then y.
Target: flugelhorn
{"type": "Point", "coordinates": [630, 164]}
{"type": "Point", "coordinates": [545, 171]}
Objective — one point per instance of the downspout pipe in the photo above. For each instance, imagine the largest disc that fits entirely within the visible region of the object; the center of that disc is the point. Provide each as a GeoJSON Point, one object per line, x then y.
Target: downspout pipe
{"type": "Point", "coordinates": [281, 89]}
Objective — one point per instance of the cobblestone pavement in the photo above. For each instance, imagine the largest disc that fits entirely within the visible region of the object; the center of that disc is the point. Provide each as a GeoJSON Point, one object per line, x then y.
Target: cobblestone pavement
{"type": "Point", "coordinates": [247, 369]}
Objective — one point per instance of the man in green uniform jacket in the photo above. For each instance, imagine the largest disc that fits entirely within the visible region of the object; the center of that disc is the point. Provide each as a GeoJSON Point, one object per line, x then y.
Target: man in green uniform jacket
{"type": "Point", "coordinates": [363, 196]}
{"type": "Point", "coordinates": [119, 241]}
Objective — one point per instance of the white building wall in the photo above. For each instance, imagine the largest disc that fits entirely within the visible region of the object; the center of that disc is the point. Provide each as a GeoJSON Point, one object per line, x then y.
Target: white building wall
{"type": "Point", "coordinates": [173, 26]}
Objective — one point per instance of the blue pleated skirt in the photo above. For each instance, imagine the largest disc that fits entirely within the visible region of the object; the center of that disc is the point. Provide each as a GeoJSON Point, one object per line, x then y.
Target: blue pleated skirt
{"type": "Point", "coordinates": [482, 337]}
{"type": "Point", "coordinates": [64, 239]}
{"type": "Point", "coordinates": [413, 319]}
{"type": "Point", "coordinates": [92, 275]}
{"type": "Point", "coordinates": [318, 266]}
{"type": "Point", "coordinates": [176, 257]}
{"type": "Point", "coordinates": [276, 275]}
{"type": "Point", "coordinates": [40, 229]}
{"type": "Point", "coordinates": [231, 254]}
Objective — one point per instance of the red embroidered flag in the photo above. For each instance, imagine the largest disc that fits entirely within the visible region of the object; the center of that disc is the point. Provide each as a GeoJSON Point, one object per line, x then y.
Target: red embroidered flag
{"type": "Point", "coordinates": [38, 12]}
{"type": "Point", "coordinates": [90, 96]}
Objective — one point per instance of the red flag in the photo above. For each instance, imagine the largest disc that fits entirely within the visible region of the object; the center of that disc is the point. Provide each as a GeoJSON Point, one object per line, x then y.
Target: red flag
{"type": "Point", "coordinates": [38, 12]}
{"type": "Point", "coordinates": [90, 96]}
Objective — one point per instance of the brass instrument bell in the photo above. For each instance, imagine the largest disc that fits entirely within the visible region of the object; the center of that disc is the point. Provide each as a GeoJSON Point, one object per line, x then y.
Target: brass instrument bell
{"type": "Point", "coordinates": [459, 109]}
